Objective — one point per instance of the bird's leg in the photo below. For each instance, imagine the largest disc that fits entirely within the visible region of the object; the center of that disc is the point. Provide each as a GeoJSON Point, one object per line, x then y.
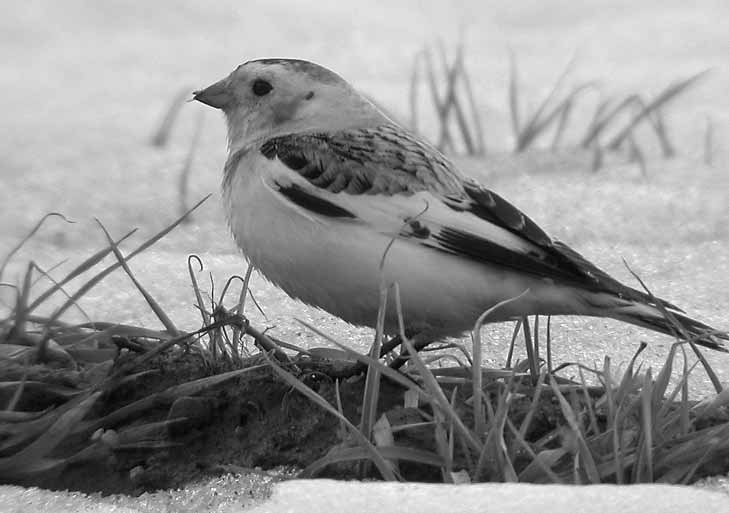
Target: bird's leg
{"type": "Point", "coordinates": [360, 368]}
{"type": "Point", "coordinates": [419, 339]}
{"type": "Point", "coordinates": [390, 345]}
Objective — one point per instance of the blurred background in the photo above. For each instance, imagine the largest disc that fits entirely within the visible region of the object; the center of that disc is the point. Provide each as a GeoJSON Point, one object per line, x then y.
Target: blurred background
{"type": "Point", "coordinates": [86, 84]}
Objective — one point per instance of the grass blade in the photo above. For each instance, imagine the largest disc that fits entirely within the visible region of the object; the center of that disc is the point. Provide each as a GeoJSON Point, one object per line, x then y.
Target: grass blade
{"type": "Point", "coordinates": [668, 94]}
{"type": "Point", "coordinates": [441, 108]}
{"type": "Point", "coordinates": [413, 96]}
{"type": "Point", "coordinates": [478, 412]}
{"type": "Point", "coordinates": [531, 129]}
{"type": "Point", "coordinates": [514, 97]}
{"type": "Point", "coordinates": [602, 120]}
{"type": "Point", "coordinates": [370, 398]}
{"type": "Point", "coordinates": [439, 399]}
{"type": "Point", "coordinates": [475, 117]}
{"type": "Point", "coordinates": [25, 239]}
{"type": "Point", "coordinates": [26, 461]}
{"type": "Point", "coordinates": [156, 308]}
{"type": "Point", "coordinates": [709, 142]}
{"type": "Point", "coordinates": [583, 452]}
{"type": "Point", "coordinates": [162, 135]}
{"type": "Point", "coordinates": [184, 178]}
{"type": "Point", "coordinates": [78, 270]}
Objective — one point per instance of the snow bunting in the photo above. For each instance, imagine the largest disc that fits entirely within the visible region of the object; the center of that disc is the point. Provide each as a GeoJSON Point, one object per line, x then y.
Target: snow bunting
{"type": "Point", "coordinates": [325, 195]}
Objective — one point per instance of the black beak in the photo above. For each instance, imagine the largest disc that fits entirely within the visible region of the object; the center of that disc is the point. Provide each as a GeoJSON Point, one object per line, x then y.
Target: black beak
{"type": "Point", "coordinates": [217, 95]}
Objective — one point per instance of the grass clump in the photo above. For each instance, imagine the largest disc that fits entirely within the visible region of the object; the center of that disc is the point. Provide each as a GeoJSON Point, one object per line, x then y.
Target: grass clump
{"type": "Point", "coordinates": [516, 428]}
{"type": "Point", "coordinates": [458, 120]}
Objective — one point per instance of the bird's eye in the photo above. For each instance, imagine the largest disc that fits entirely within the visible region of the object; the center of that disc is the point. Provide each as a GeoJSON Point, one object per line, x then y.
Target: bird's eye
{"type": "Point", "coordinates": [261, 87]}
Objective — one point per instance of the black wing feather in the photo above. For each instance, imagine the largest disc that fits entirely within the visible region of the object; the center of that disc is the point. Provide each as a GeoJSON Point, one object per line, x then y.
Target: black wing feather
{"type": "Point", "coordinates": [313, 203]}
{"type": "Point", "coordinates": [559, 260]}
{"type": "Point", "coordinates": [477, 248]}
{"type": "Point", "coordinates": [488, 205]}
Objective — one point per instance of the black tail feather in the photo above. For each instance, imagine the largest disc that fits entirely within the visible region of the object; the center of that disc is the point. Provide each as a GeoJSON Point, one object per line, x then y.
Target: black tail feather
{"type": "Point", "coordinates": [681, 326]}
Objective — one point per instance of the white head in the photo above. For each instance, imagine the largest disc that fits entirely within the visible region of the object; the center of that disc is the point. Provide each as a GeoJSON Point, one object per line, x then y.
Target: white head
{"type": "Point", "coordinates": [268, 97]}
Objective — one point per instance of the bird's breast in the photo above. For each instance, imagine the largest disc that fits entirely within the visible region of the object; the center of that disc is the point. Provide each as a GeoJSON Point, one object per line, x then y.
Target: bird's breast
{"type": "Point", "coordinates": [328, 263]}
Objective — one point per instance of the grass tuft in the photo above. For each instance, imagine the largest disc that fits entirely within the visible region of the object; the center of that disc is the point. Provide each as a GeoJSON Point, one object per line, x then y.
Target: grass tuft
{"type": "Point", "coordinates": [459, 123]}
{"type": "Point", "coordinates": [162, 134]}
{"type": "Point", "coordinates": [612, 127]}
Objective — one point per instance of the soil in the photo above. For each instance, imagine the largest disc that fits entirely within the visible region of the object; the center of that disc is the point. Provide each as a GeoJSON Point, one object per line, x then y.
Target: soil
{"type": "Point", "coordinates": [256, 421]}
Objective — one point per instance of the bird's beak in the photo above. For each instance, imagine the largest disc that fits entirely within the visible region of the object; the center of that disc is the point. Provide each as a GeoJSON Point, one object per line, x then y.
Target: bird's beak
{"type": "Point", "coordinates": [217, 95]}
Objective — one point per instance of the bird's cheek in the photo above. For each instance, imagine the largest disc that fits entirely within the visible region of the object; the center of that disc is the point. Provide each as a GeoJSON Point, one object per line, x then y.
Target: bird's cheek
{"type": "Point", "coordinates": [284, 111]}
{"type": "Point", "coordinates": [242, 123]}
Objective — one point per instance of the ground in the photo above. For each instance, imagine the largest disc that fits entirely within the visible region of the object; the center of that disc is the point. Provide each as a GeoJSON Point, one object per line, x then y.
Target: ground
{"type": "Point", "coordinates": [84, 87]}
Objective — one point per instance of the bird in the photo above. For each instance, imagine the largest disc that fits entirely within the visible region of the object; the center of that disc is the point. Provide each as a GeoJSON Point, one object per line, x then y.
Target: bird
{"type": "Point", "coordinates": [331, 200]}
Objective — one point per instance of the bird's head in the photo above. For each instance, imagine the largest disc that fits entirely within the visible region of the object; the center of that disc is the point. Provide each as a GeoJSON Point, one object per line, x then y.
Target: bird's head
{"type": "Point", "coordinates": [268, 97]}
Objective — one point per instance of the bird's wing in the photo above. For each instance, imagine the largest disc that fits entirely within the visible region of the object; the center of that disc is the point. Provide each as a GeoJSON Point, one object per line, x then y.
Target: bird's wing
{"type": "Point", "coordinates": [491, 207]}
{"type": "Point", "coordinates": [373, 161]}
{"type": "Point", "coordinates": [404, 188]}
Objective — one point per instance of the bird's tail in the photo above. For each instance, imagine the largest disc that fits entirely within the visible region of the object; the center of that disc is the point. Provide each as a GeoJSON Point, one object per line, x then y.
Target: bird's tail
{"type": "Point", "coordinates": [670, 322]}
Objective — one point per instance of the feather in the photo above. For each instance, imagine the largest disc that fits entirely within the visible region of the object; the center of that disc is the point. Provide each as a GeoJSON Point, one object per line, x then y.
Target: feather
{"type": "Point", "coordinates": [312, 202]}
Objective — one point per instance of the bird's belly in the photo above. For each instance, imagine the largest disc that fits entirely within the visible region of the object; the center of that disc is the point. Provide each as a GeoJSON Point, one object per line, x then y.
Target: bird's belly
{"type": "Point", "coordinates": [335, 264]}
